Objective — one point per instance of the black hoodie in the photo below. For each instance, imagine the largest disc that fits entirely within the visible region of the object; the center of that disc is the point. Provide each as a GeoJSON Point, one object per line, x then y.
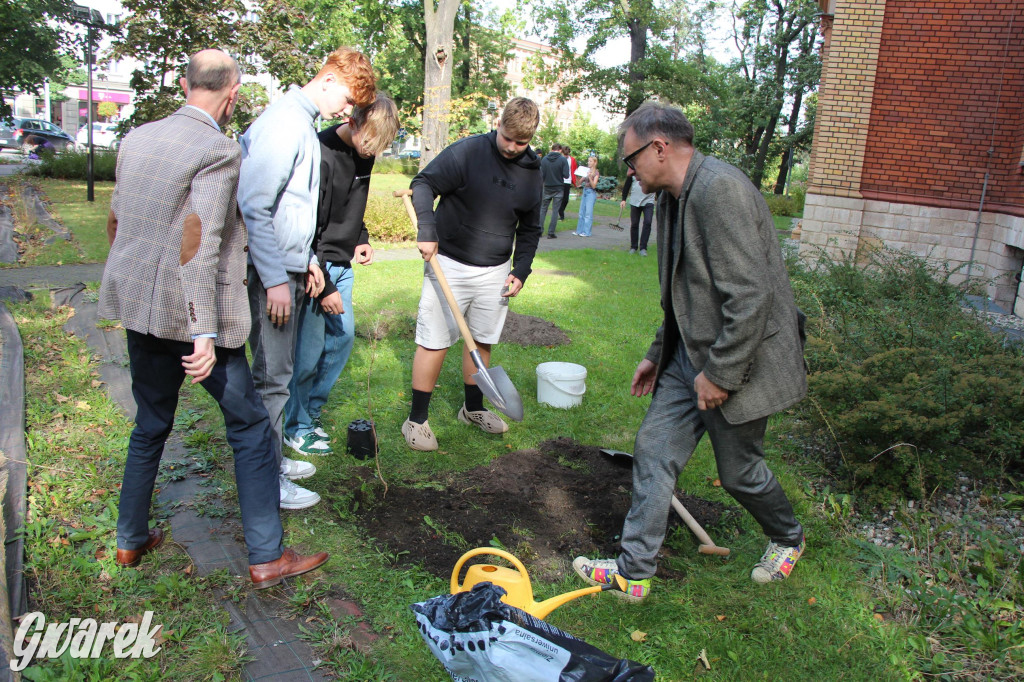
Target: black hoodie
{"type": "Point", "coordinates": [554, 168]}
{"type": "Point", "coordinates": [489, 204]}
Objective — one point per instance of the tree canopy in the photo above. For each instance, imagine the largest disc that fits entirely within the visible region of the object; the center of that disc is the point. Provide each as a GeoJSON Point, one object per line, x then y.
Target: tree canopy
{"type": "Point", "coordinates": [32, 42]}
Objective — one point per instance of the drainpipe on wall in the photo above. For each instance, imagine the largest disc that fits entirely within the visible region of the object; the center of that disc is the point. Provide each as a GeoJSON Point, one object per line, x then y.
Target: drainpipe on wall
{"type": "Point", "coordinates": [977, 222]}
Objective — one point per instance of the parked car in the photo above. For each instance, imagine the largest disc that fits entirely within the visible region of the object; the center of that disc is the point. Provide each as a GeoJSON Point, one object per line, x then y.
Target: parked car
{"type": "Point", "coordinates": [14, 135]}
{"type": "Point", "coordinates": [104, 136]}
{"type": "Point", "coordinates": [409, 154]}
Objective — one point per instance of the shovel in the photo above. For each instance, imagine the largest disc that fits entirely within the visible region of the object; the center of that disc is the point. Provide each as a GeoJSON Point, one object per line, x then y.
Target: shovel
{"type": "Point", "coordinates": [493, 382]}
{"type": "Point", "coordinates": [707, 545]}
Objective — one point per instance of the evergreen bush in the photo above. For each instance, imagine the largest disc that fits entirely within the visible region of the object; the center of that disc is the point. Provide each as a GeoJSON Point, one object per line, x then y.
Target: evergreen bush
{"type": "Point", "coordinates": [71, 165]}
{"type": "Point", "coordinates": [906, 387]}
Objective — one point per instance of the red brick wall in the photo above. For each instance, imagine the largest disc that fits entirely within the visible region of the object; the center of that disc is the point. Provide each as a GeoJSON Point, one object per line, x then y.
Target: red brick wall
{"type": "Point", "coordinates": [937, 85]}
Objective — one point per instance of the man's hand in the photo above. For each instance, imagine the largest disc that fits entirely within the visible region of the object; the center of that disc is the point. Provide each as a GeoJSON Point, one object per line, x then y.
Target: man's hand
{"type": "Point", "coordinates": [279, 304]}
{"type": "Point", "coordinates": [333, 304]}
{"type": "Point", "coordinates": [622, 204]}
{"type": "Point", "coordinates": [514, 286]}
{"type": "Point", "coordinates": [314, 280]}
{"type": "Point", "coordinates": [363, 254]}
{"type": "Point", "coordinates": [427, 249]}
{"type": "Point", "coordinates": [643, 379]}
{"type": "Point", "coordinates": [709, 394]}
{"type": "Point", "coordinates": [201, 362]}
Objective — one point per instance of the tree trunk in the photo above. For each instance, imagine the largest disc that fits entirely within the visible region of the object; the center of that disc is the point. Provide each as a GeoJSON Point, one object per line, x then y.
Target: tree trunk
{"type": "Point", "coordinates": [787, 158]}
{"type": "Point", "coordinates": [439, 17]}
{"type": "Point", "coordinates": [637, 53]}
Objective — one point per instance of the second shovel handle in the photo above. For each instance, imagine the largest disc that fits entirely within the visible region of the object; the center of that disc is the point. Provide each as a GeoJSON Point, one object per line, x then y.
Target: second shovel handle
{"type": "Point", "coordinates": [467, 336]}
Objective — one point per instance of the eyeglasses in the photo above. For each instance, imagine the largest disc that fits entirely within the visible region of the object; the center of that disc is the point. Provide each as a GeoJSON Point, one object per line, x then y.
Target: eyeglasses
{"type": "Point", "coordinates": [629, 160]}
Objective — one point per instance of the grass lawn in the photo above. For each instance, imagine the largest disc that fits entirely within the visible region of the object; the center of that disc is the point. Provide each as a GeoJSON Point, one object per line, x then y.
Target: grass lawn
{"type": "Point", "coordinates": [818, 625]}
{"type": "Point", "coordinates": [86, 220]}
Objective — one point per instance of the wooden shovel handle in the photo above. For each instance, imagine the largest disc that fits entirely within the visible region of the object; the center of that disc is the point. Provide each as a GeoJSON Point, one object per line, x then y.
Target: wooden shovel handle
{"type": "Point", "coordinates": [706, 544]}
{"type": "Point", "coordinates": [406, 195]}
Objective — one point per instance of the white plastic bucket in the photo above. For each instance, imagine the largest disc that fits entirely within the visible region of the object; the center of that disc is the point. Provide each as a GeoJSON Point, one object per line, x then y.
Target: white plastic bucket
{"type": "Point", "coordinates": [561, 384]}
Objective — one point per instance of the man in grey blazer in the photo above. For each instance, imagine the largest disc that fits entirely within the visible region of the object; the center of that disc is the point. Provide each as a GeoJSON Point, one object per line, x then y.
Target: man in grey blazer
{"type": "Point", "coordinates": [175, 278]}
{"type": "Point", "coordinates": [728, 355]}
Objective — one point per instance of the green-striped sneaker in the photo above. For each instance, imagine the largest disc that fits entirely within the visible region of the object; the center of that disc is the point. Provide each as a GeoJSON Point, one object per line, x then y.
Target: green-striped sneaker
{"type": "Point", "coordinates": [777, 562]}
{"type": "Point", "coordinates": [310, 444]}
{"type": "Point", "coordinates": [606, 572]}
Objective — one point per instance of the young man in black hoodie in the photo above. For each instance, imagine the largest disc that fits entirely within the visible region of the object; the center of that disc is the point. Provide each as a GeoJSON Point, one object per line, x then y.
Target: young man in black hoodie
{"type": "Point", "coordinates": [327, 323]}
{"type": "Point", "coordinates": [490, 189]}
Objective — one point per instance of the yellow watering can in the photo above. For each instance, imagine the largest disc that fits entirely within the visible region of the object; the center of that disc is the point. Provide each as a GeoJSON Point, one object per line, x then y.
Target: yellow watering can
{"type": "Point", "coordinates": [516, 583]}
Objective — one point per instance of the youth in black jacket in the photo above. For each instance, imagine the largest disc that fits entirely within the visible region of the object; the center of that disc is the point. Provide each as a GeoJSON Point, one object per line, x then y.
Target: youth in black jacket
{"type": "Point", "coordinates": [490, 205]}
{"type": "Point", "coordinates": [344, 186]}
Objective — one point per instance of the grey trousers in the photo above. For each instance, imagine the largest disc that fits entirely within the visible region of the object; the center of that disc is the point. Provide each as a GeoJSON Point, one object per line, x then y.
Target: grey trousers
{"type": "Point", "coordinates": [551, 194]}
{"type": "Point", "coordinates": [273, 348]}
{"type": "Point", "coordinates": [667, 438]}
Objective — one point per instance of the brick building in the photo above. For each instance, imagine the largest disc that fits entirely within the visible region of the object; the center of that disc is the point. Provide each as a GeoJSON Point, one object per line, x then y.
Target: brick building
{"type": "Point", "coordinates": [919, 137]}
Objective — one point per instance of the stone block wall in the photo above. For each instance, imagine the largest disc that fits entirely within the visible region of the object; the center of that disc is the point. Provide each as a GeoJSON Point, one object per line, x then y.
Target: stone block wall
{"type": "Point", "coordinates": [844, 226]}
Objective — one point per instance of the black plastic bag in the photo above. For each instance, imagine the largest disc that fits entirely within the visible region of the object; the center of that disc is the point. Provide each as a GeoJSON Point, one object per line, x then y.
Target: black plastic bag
{"type": "Point", "coordinates": [479, 638]}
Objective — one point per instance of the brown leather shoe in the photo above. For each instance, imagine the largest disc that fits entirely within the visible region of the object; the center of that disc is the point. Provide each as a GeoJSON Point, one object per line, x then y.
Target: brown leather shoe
{"type": "Point", "coordinates": [132, 557]}
{"type": "Point", "coordinates": [290, 564]}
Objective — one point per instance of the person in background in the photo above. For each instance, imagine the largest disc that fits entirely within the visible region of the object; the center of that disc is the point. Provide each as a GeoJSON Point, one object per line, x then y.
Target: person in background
{"type": "Point", "coordinates": [175, 278]}
{"type": "Point", "coordinates": [277, 193]}
{"type": "Point", "coordinates": [569, 181]}
{"type": "Point", "coordinates": [327, 322]}
{"type": "Point", "coordinates": [553, 169]}
{"type": "Point", "coordinates": [489, 213]}
{"type": "Point", "coordinates": [640, 203]}
{"type": "Point", "coordinates": [585, 223]}
{"type": "Point", "coordinates": [728, 355]}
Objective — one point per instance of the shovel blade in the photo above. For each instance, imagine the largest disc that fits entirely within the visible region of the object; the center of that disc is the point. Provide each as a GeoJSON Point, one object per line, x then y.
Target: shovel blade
{"type": "Point", "coordinates": [497, 387]}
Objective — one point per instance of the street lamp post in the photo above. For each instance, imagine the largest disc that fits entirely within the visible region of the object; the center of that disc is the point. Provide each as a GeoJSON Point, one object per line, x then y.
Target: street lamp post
{"type": "Point", "coordinates": [90, 18]}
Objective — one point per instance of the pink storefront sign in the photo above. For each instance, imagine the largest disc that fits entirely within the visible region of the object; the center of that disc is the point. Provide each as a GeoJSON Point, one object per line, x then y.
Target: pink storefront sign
{"type": "Point", "coordinates": [105, 96]}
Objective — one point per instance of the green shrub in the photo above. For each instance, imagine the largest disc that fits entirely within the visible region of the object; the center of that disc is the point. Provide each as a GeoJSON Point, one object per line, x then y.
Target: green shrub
{"type": "Point", "coordinates": [387, 221]}
{"type": "Point", "coordinates": [781, 204]}
{"type": "Point", "coordinates": [393, 165]}
{"type": "Point", "coordinates": [907, 388]}
{"type": "Point", "coordinates": [72, 165]}
{"type": "Point", "coordinates": [798, 191]}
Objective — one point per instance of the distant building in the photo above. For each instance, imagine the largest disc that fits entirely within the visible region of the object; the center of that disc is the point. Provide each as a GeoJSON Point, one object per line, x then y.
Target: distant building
{"type": "Point", "coordinates": [519, 76]}
{"type": "Point", "coordinates": [919, 137]}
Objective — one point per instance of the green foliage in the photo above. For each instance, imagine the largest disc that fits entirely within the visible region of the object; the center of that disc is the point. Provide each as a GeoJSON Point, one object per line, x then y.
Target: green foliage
{"type": "Point", "coordinates": [396, 165]}
{"type": "Point", "coordinates": [31, 45]}
{"type": "Point", "coordinates": [386, 220]}
{"type": "Point", "coordinates": [72, 165]}
{"type": "Point", "coordinates": [107, 110]}
{"type": "Point", "coordinates": [252, 99]}
{"type": "Point", "coordinates": [781, 204]}
{"type": "Point", "coordinates": [911, 389]}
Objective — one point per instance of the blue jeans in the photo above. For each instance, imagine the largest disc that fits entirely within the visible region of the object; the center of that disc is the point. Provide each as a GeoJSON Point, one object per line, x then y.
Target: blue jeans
{"type": "Point", "coordinates": [321, 352]}
{"type": "Point", "coordinates": [156, 377]}
{"type": "Point", "coordinates": [586, 219]}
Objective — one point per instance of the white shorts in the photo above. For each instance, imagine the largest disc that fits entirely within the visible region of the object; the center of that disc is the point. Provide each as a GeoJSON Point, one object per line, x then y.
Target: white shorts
{"type": "Point", "coordinates": [477, 290]}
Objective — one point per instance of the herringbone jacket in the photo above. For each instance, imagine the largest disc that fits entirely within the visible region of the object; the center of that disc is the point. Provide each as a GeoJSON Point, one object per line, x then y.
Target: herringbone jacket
{"type": "Point", "coordinates": [176, 267]}
{"type": "Point", "coordinates": [726, 293]}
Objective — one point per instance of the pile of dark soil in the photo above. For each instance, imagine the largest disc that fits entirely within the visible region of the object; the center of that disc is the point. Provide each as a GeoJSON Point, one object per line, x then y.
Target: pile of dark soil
{"type": "Point", "coordinates": [546, 506]}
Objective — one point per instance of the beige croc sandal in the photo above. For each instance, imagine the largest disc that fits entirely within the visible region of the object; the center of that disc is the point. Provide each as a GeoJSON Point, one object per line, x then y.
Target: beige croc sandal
{"type": "Point", "coordinates": [419, 436]}
{"type": "Point", "coordinates": [485, 419]}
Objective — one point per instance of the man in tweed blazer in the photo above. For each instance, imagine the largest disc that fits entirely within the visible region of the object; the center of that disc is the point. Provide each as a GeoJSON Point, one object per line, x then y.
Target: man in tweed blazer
{"type": "Point", "coordinates": [728, 354]}
{"type": "Point", "coordinates": [175, 277]}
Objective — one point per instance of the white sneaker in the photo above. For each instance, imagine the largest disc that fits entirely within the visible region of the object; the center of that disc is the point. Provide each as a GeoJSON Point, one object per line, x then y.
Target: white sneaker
{"type": "Point", "coordinates": [296, 470]}
{"type": "Point", "coordinates": [295, 497]}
